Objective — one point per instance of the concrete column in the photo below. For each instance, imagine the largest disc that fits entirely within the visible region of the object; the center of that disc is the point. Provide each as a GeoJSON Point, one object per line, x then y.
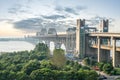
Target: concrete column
{"type": "Point", "coordinates": [108, 42]}
{"type": "Point", "coordinates": [117, 58]}
{"type": "Point", "coordinates": [113, 52]}
{"type": "Point", "coordinates": [95, 41]}
{"type": "Point", "coordinates": [104, 55]}
{"type": "Point", "coordinates": [98, 44]}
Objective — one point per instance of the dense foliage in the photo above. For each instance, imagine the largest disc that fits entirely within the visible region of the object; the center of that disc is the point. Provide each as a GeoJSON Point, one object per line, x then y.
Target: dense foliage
{"type": "Point", "coordinates": [101, 66]}
{"type": "Point", "coordinates": [58, 58]}
{"type": "Point", "coordinates": [37, 65]}
{"type": "Point", "coordinates": [89, 61]}
{"type": "Point", "coordinates": [108, 68]}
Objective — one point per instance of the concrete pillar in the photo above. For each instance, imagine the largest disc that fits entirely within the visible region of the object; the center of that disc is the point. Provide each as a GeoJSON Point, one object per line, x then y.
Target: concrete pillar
{"type": "Point", "coordinates": [95, 41]}
{"type": "Point", "coordinates": [48, 43]}
{"type": "Point", "coordinates": [113, 52]}
{"type": "Point", "coordinates": [109, 42]}
{"type": "Point", "coordinates": [117, 58]}
{"type": "Point", "coordinates": [98, 44]}
{"type": "Point", "coordinates": [80, 42]}
{"type": "Point", "coordinates": [104, 55]}
{"type": "Point", "coordinates": [90, 52]}
{"type": "Point", "coordinates": [58, 45]}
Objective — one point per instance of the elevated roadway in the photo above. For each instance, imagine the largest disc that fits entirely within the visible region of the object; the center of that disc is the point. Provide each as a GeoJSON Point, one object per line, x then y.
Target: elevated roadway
{"type": "Point", "coordinates": [104, 34]}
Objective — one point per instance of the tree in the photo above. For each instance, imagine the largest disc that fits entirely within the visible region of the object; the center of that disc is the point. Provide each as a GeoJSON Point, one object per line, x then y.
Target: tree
{"type": "Point", "coordinates": [41, 47]}
{"type": "Point", "coordinates": [30, 66]}
{"type": "Point", "coordinates": [46, 64]}
{"type": "Point", "coordinates": [86, 61]}
{"type": "Point", "coordinates": [22, 76]}
{"type": "Point", "coordinates": [107, 68]}
{"type": "Point", "coordinates": [7, 75]}
{"type": "Point", "coordinates": [1, 66]}
{"type": "Point", "coordinates": [100, 65]}
{"type": "Point", "coordinates": [76, 66]}
{"type": "Point", "coordinates": [91, 75]}
{"type": "Point", "coordinates": [42, 74]}
{"type": "Point", "coordinates": [42, 51]}
{"type": "Point", "coordinates": [58, 58]}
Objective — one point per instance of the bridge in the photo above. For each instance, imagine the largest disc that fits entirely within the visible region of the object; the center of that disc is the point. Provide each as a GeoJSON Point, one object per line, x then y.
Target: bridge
{"type": "Point", "coordinates": [86, 41]}
{"type": "Point", "coordinates": [68, 38]}
{"type": "Point", "coordinates": [30, 40]}
{"type": "Point", "coordinates": [105, 43]}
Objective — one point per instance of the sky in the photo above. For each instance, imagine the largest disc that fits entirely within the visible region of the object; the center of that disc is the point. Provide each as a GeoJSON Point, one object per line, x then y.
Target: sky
{"type": "Point", "coordinates": [23, 17]}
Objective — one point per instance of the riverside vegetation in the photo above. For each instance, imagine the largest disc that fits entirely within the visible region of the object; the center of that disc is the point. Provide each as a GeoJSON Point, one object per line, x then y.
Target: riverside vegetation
{"type": "Point", "coordinates": [38, 64]}
{"type": "Point", "coordinates": [106, 67]}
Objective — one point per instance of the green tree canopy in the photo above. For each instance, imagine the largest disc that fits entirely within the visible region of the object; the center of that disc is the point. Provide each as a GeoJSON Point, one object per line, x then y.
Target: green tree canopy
{"type": "Point", "coordinates": [30, 66]}
{"type": "Point", "coordinates": [42, 74]}
{"type": "Point", "coordinates": [107, 68]}
{"type": "Point", "coordinates": [58, 58]}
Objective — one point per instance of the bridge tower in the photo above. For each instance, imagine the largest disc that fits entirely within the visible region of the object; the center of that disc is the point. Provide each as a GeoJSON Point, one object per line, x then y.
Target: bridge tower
{"type": "Point", "coordinates": [70, 40]}
{"type": "Point", "coordinates": [80, 38]}
{"type": "Point", "coordinates": [104, 55]}
{"type": "Point", "coordinates": [52, 31]}
{"type": "Point", "coordinates": [104, 25]}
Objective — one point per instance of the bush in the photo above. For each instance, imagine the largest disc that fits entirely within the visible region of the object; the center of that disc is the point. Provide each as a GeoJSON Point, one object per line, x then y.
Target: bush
{"type": "Point", "coordinates": [85, 68]}
{"type": "Point", "coordinates": [117, 71]}
{"type": "Point", "coordinates": [100, 65]}
{"type": "Point", "coordinates": [86, 61]}
{"type": "Point", "coordinates": [107, 68]}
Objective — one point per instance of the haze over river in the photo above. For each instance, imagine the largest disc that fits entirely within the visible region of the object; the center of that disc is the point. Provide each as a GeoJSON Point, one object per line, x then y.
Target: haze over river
{"type": "Point", "coordinates": [11, 46]}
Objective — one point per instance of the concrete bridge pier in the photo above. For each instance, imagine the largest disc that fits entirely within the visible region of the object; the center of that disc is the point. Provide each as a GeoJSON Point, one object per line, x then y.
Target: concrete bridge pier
{"type": "Point", "coordinates": [115, 54]}
{"type": "Point", "coordinates": [89, 51]}
{"type": "Point", "coordinates": [103, 55]}
{"type": "Point", "coordinates": [98, 45]}
{"type": "Point", "coordinates": [57, 45]}
{"type": "Point", "coordinates": [117, 59]}
{"type": "Point", "coordinates": [47, 42]}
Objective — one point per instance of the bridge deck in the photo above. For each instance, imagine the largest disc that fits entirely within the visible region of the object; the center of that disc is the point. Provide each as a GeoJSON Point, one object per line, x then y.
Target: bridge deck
{"type": "Point", "coordinates": [104, 34]}
{"type": "Point", "coordinates": [105, 47]}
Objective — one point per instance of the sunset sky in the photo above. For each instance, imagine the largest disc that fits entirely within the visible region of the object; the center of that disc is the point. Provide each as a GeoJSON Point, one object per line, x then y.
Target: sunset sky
{"type": "Point", "coordinates": [22, 17]}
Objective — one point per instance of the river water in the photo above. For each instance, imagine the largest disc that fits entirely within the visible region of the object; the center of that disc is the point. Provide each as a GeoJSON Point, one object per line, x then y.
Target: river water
{"type": "Point", "coordinates": [11, 46]}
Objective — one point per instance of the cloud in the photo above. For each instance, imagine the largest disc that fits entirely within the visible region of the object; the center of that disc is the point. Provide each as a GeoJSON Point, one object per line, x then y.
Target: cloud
{"type": "Point", "coordinates": [7, 20]}
{"type": "Point", "coordinates": [96, 17]}
{"type": "Point", "coordinates": [67, 10]}
{"type": "Point", "coordinates": [36, 24]}
{"type": "Point", "coordinates": [29, 25]}
{"type": "Point", "coordinates": [70, 10]}
{"type": "Point", "coordinates": [96, 20]}
{"type": "Point", "coordinates": [54, 17]}
{"type": "Point", "coordinates": [81, 7]}
{"type": "Point", "coordinates": [15, 9]}
{"type": "Point", "coordinates": [18, 8]}
{"type": "Point", "coordinates": [58, 8]}
{"type": "Point", "coordinates": [55, 20]}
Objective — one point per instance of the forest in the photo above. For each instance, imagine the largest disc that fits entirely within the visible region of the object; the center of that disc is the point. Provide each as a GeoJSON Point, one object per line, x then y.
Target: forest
{"type": "Point", "coordinates": [39, 64]}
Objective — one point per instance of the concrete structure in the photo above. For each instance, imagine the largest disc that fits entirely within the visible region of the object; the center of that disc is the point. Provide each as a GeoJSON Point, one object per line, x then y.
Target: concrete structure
{"type": "Point", "coordinates": [52, 31]}
{"type": "Point", "coordinates": [70, 40]}
{"type": "Point", "coordinates": [80, 40]}
{"type": "Point", "coordinates": [104, 26]}
{"type": "Point", "coordinates": [42, 32]}
{"type": "Point", "coordinates": [103, 49]}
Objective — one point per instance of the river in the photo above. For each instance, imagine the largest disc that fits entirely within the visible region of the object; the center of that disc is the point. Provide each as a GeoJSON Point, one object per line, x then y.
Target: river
{"type": "Point", "coordinates": [11, 46]}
